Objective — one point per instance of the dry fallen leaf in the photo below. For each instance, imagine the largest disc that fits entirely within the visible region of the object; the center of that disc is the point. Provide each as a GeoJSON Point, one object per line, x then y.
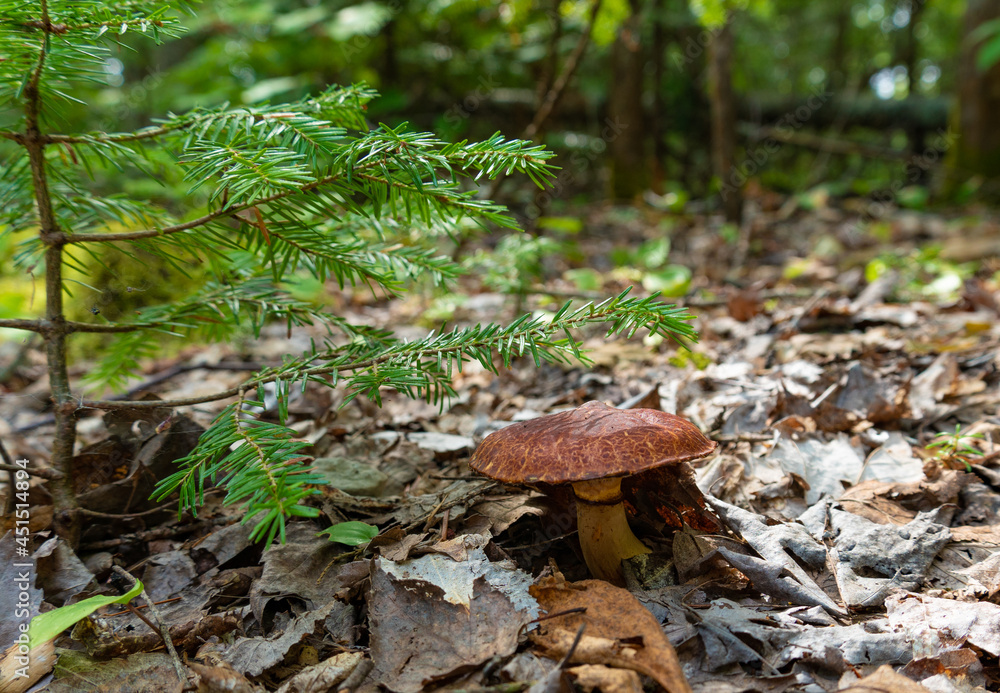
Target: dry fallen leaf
{"type": "Point", "coordinates": [885, 680]}
{"type": "Point", "coordinates": [220, 677]}
{"type": "Point", "coordinates": [324, 676]}
{"type": "Point", "coordinates": [433, 617]}
{"type": "Point", "coordinates": [592, 677]}
{"type": "Point", "coordinates": [619, 631]}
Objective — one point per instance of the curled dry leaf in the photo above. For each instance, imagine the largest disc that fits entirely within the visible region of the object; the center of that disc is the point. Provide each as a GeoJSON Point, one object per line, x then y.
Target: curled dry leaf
{"type": "Point", "coordinates": [619, 632]}
{"type": "Point", "coordinates": [885, 680]}
{"type": "Point", "coordinates": [324, 676]}
{"type": "Point", "coordinates": [591, 677]}
{"type": "Point", "coordinates": [220, 676]}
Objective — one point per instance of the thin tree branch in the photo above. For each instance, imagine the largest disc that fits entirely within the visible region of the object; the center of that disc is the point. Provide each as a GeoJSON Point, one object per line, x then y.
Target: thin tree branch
{"type": "Point", "coordinates": [200, 221]}
{"type": "Point", "coordinates": [118, 138]}
{"type": "Point", "coordinates": [40, 326]}
{"type": "Point", "coordinates": [555, 93]}
{"type": "Point", "coordinates": [66, 28]}
{"type": "Point", "coordinates": [569, 69]}
{"type": "Point", "coordinates": [306, 373]}
{"type": "Point", "coordinates": [40, 473]}
{"type": "Point", "coordinates": [150, 131]}
{"type": "Point", "coordinates": [47, 326]}
{"type": "Point", "coordinates": [160, 628]}
{"type": "Point", "coordinates": [236, 209]}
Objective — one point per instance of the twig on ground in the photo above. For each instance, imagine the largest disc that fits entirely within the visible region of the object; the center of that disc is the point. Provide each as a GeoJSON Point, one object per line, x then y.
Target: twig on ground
{"type": "Point", "coordinates": [142, 606]}
{"type": "Point", "coordinates": [357, 677]}
{"type": "Point", "coordinates": [162, 629]}
{"type": "Point", "coordinates": [157, 533]}
{"type": "Point", "coordinates": [127, 516]}
{"type": "Point", "coordinates": [40, 473]}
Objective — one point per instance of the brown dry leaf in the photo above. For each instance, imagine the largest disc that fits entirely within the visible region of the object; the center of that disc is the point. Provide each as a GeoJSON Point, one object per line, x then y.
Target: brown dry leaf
{"type": "Point", "coordinates": [898, 503]}
{"type": "Point", "coordinates": [619, 632]}
{"type": "Point", "coordinates": [496, 513]}
{"type": "Point", "coordinates": [862, 500]}
{"type": "Point", "coordinates": [744, 305]}
{"type": "Point", "coordinates": [952, 663]}
{"type": "Point", "coordinates": [432, 617]}
{"type": "Point", "coordinates": [696, 558]}
{"type": "Point", "coordinates": [885, 680]}
{"type": "Point", "coordinates": [150, 672]}
{"type": "Point", "coordinates": [324, 676]}
{"type": "Point", "coordinates": [254, 656]}
{"type": "Point", "coordinates": [117, 475]}
{"type": "Point", "coordinates": [596, 676]}
{"type": "Point", "coordinates": [220, 677]}
{"type": "Point", "coordinates": [397, 549]}
{"type": "Point", "coordinates": [96, 635]}
{"type": "Point", "coordinates": [988, 535]}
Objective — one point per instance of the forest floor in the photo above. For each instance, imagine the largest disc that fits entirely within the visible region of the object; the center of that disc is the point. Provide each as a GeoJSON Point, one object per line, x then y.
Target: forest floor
{"type": "Point", "coordinates": [849, 518]}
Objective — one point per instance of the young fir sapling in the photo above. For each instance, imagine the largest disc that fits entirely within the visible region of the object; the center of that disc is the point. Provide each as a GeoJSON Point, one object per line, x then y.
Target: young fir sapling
{"type": "Point", "coordinates": [300, 187]}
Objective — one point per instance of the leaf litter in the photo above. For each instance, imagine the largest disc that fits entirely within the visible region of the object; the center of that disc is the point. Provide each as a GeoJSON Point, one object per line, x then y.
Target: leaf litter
{"type": "Point", "coordinates": [826, 547]}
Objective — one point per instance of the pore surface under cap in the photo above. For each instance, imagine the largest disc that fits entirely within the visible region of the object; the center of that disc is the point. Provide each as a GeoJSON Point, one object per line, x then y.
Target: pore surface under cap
{"type": "Point", "coordinates": [590, 442]}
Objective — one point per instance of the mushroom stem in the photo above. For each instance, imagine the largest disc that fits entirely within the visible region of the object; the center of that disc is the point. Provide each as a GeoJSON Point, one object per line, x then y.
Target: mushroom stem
{"type": "Point", "coordinates": [605, 537]}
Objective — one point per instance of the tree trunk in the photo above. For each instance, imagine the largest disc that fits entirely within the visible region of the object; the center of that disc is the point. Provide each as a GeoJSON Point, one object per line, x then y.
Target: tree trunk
{"type": "Point", "coordinates": [658, 117]}
{"type": "Point", "coordinates": [977, 151]}
{"type": "Point", "coordinates": [908, 56]}
{"type": "Point", "coordinates": [720, 61]}
{"type": "Point", "coordinates": [624, 131]}
{"type": "Point", "coordinates": [837, 77]}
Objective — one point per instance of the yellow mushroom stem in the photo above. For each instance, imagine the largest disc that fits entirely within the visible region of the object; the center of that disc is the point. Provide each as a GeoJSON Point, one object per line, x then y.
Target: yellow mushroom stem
{"type": "Point", "coordinates": [605, 536]}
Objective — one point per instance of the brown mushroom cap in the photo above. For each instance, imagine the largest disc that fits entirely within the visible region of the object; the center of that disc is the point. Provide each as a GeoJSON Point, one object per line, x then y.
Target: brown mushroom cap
{"type": "Point", "coordinates": [593, 441]}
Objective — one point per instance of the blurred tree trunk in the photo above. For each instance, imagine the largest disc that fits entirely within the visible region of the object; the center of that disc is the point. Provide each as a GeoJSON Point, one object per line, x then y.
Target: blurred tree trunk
{"type": "Point", "coordinates": [720, 59]}
{"type": "Point", "coordinates": [977, 151]}
{"type": "Point", "coordinates": [550, 68]}
{"type": "Point", "coordinates": [658, 116]}
{"type": "Point", "coordinates": [837, 76]}
{"type": "Point", "coordinates": [390, 65]}
{"type": "Point", "coordinates": [625, 129]}
{"type": "Point", "coordinates": [908, 57]}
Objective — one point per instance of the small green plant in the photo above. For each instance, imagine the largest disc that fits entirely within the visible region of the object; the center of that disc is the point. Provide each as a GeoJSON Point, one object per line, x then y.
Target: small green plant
{"type": "Point", "coordinates": [47, 626]}
{"type": "Point", "coordinates": [516, 264]}
{"type": "Point", "coordinates": [923, 273]}
{"type": "Point", "coordinates": [275, 193]}
{"type": "Point", "coordinates": [955, 448]}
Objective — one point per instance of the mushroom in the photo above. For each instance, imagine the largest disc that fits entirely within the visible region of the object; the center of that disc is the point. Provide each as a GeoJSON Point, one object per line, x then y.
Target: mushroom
{"type": "Point", "coordinates": [592, 448]}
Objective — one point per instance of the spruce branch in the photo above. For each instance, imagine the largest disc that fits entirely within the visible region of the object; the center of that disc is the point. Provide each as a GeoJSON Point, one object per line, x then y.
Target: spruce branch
{"type": "Point", "coordinates": [406, 185]}
{"type": "Point", "coordinates": [262, 461]}
{"type": "Point", "coordinates": [260, 464]}
{"type": "Point", "coordinates": [492, 344]}
{"type": "Point", "coordinates": [215, 312]}
{"type": "Point", "coordinates": [68, 326]}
